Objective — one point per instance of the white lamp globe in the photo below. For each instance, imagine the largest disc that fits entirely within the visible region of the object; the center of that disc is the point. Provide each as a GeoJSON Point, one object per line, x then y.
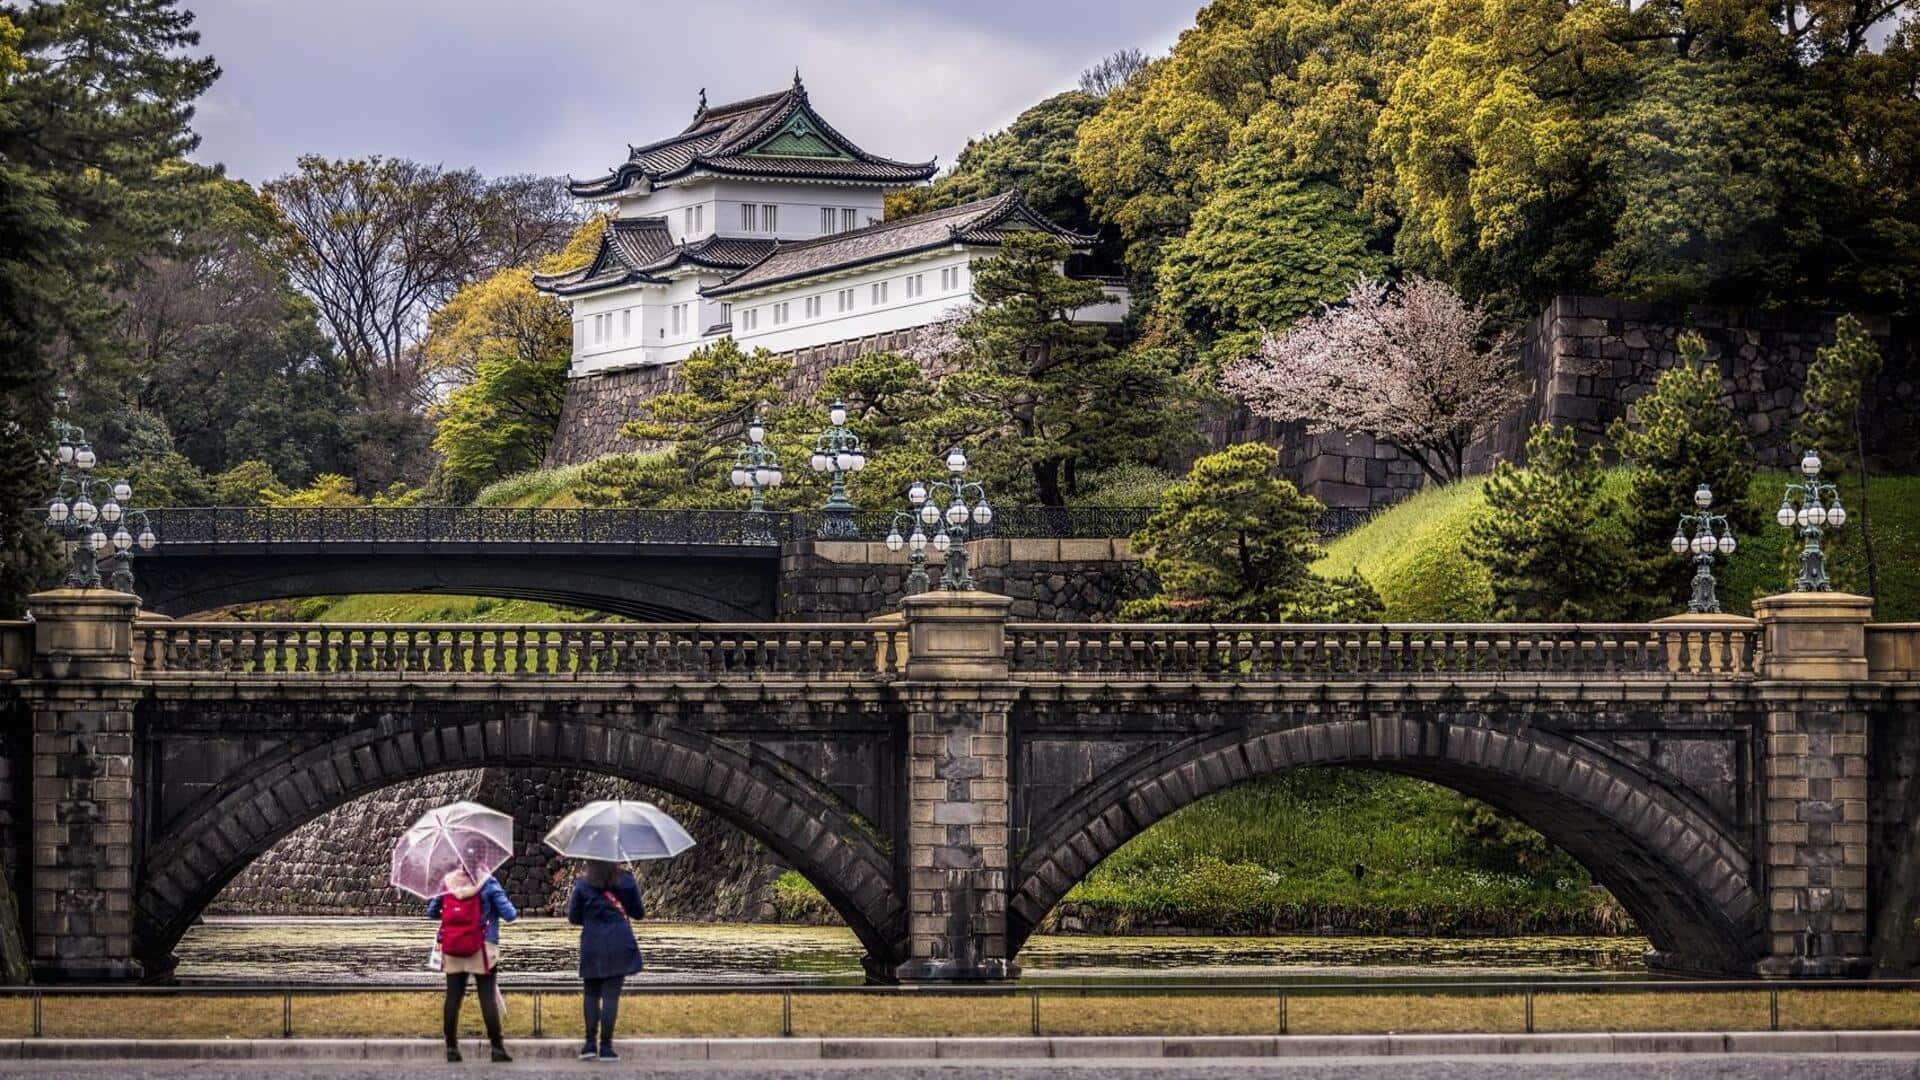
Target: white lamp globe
{"type": "Point", "coordinates": [843, 462]}
{"type": "Point", "coordinates": [956, 512]}
{"type": "Point", "coordinates": [757, 432]}
{"type": "Point", "coordinates": [1703, 496]}
{"type": "Point", "coordinates": [738, 477]}
{"type": "Point", "coordinates": [1810, 464]}
{"type": "Point", "coordinates": [859, 461]}
{"type": "Point", "coordinates": [98, 542]}
{"type": "Point", "coordinates": [1785, 516]}
{"type": "Point", "coordinates": [110, 511]}
{"type": "Point", "coordinates": [122, 540]}
{"type": "Point", "coordinates": [918, 541]}
{"type": "Point", "coordinates": [1702, 544]}
{"type": "Point", "coordinates": [1803, 519]}
{"type": "Point", "coordinates": [1837, 516]}
{"type": "Point", "coordinates": [941, 542]}
{"type": "Point", "coordinates": [956, 461]}
{"type": "Point", "coordinates": [1728, 545]}
{"type": "Point", "coordinates": [1816, 514]}
{"type": "Point", "coordinates": [57, 511]}
{"type": "Point", "coordinates": [65, 452]}
{"type": "Point", "coordinates": [147, 540]}
{"type": "Point", "coordinates": [83, 457]}
{"type": "Point", "coordinates": [929, 513]}
{"type": "Point", "coordinates": [983, 513]}
{"type": "Point", "coordinates": [819, 462]}
{"type": "Point", "coordinates": [895, 541]}
{"type": "Point", "coordinates": [122, 491]}
{"type": "Point", "coordinates": [837, 415]}
{"type": "Point", "coordinates": [776, 476]}
{"type": "Point", "coordinates": [84, 512]}
{"type": "Point", "coordinates": [1678, 544]}
{"type": "Point", "coordinates": [917, 493]}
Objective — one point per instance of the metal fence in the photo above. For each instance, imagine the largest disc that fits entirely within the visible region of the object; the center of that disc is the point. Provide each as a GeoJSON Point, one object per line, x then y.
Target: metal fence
{"type": "Point", "coordinates": [1273, 1009]}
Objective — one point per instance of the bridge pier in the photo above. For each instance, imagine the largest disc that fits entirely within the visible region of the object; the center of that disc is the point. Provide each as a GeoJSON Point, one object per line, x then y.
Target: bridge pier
{"type": "Point", "coordinates": [1815, 777]}
{"type": "Point", "coordinates": [959, 859]}
{"type": "Point", "coordinates": [81, 697]}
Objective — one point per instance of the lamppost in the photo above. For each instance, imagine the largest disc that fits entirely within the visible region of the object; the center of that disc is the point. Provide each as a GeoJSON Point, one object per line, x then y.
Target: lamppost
{"type": "Point", "coordinates": [837, 451]}
{"type": "Point", "coordinates": [1809, 506]}
{"type": "Point", "coordinates": [916, 546]}
{"type": "Point", "coordinates": [951, 519]}
{"type": "Point", "coordinates": [83, 524]}
{"type": "Point", "coordinates": [1711, 534]}
{"type": "Point", "coordinates": [756, 468]}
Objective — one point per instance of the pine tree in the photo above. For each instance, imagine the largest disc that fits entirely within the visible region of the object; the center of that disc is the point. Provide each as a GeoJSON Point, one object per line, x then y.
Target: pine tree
{"type": "Point", "coordinates": [1234, 542]}
{"type": "Point", "coordinates": [1686, 435]}
{"type": "Point", "coordinates": [1839, 384]}
{"type": "Point", "coordinates": [1547, 536]}
{"type": "Point", "coordinates": [95, 103]}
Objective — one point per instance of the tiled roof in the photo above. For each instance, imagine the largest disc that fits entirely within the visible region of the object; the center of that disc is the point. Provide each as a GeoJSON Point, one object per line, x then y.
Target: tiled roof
{"type": "Point", "coordinates": [983, 222]}
{"type": "Point", "coordinates": [639, 250]}
{"type": "Point", "coordinates": [724, 140]}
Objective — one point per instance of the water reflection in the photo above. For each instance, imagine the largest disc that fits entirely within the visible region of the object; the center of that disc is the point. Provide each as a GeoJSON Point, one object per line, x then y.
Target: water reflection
{"type": "Point", "coordinates": [389, 950]}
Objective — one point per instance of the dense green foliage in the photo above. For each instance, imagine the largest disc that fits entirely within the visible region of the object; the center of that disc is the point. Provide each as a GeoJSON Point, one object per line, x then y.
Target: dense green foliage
{"type": "Point", "coordinates": [95, 101]}
{"type": "Point", "coordinates": [1839, 390]}
{"type": "Point", "coordinates": [1544, 536]}
{"type": "Point", "coordinates": [1232, 542]}
{"type": "Point", "coordinates": [1033, 154]}
{"type": "Point", "coordinates": [1685, 436]}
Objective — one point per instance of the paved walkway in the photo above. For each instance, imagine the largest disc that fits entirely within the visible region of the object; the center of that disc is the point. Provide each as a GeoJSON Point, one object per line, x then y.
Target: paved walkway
{"type": "Point", "coordinates": [1574, 1067]}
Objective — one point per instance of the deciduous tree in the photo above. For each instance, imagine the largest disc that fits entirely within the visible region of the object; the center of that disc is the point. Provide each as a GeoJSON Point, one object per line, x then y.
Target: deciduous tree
{"type": "Point", "coordinates": [1408, 365]}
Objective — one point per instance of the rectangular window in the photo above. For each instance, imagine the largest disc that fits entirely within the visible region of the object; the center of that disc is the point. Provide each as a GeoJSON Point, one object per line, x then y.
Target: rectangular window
{"type": "Point", "coordinates": [579, 334]}
{"type": "Point", "coordinates": [849, 218]}
{"type": "Point", "coordinates": [770, 218]}
{"type": "Point", "coordinates": [626, 325]}
{"type": "Point", "coordinates": [700, 218]}
{"type": "Point", "coordinates": [879, 290]}
{"type": "Point", "coordinates": [826, 220]}
{"type": "Point", "coordinates": [687, 224]}
{"type": "Point", "coordinates": [749, 217]}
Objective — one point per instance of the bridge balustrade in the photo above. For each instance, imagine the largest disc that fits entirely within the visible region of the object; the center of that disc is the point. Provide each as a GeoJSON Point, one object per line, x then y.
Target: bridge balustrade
{"type": "Point", "coordinates": [555, 650]}
{"type": "Point", "coordinates": [1321, 651]}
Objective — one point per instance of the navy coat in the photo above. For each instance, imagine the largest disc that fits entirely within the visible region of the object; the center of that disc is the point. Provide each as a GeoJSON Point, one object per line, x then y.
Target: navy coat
{"type": "Point", "coordinates": [607, 946]}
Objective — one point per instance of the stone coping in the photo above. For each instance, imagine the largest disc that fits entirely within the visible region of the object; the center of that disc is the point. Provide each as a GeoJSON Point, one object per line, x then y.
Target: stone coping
{"type": "Point", "coordinates": [984, 1049]}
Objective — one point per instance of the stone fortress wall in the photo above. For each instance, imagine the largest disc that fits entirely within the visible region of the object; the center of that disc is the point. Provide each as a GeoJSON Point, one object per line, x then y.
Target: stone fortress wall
{"type": "Point", "coordinates": [1585, 361]}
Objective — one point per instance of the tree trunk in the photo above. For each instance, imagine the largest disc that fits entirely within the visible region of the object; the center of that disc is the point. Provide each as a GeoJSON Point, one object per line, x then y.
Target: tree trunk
{"type": "Point", "coordinates": [1046, 482]}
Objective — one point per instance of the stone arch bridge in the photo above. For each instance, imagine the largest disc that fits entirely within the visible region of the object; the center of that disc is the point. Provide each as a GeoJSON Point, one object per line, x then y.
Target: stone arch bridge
{"type": "Point", "coordinates": [1747, 790]}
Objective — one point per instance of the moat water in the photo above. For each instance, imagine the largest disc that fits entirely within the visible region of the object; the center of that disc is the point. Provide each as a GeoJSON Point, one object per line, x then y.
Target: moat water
{"type": "Point", "coordinates": [539, 950]}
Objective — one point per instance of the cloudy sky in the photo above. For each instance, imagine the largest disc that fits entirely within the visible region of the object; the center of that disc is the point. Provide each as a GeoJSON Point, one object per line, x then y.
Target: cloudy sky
{"type": "Point", "coordinates": [561, 86]}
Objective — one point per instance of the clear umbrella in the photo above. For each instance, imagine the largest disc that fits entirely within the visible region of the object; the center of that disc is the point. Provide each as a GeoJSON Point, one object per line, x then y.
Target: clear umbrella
{"type": "Point", "coordinates": [619, 831]}
{"type": "Point", "coordinates": [463, 837]}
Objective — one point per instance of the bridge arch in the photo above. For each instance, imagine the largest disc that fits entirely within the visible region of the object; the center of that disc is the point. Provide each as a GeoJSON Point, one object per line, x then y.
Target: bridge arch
{"type": "Point", "coordinates": [1680, 871]}
{"type": "Point", "coordinates": [804, 823]}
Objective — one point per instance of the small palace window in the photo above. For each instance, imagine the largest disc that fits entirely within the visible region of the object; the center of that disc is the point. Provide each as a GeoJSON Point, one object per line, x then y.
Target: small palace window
{"type": "Point", "coordinates": [846, 300]}
{"type": "Point", "coordinates": [848, 219]}
{"type": "Point", "coordinates": [826, 220]}
{"type": "Point", "coordinates": [879, 292]}
{"type": "Point", "coordinates": [749, 217]}
{"type": "Point", "coordinates": [770, 218]}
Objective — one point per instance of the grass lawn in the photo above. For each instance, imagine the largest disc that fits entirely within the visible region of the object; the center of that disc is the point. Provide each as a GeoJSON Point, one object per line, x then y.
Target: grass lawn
{"type": "Point", "coordinates": [930, 1013]}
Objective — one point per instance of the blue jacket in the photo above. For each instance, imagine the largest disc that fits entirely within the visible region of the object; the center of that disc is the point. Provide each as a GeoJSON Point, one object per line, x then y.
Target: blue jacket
{"type": "Point", "coordinates": [607, 946]}
{"type": "Point", "coordinates": [495, 908]}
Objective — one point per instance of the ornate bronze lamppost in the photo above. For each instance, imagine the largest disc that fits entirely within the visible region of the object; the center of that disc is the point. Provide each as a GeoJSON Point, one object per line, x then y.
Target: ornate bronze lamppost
{"type": "Point", "coordinates": [1703, 534]}
{"type": "Point", "coordinates": [1811, 506]}
{"type": "Point", "coordinates": [916, 546]}
{"type": "Point", "coordinates": [943, 506]}
{"type": "Point", "coordinates": [82, 523]}
{"type": "Point", "coordinates": [756, 468]}
{"type": "Point", "coordinates": [838, 451]}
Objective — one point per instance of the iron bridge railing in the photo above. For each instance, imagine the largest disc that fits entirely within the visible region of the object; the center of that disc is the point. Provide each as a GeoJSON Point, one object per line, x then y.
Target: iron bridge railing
{"type": "Point", "coordinates": [1227, 653]}
{"type": "Point", "coordinates": [520, 525]}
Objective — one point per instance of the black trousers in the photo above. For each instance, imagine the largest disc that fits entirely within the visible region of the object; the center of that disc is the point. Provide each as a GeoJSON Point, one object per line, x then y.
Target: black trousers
{"type": "Point", "coordinates": [601, 1002]}
{"type": "Point", "coordinates": [485, 986]}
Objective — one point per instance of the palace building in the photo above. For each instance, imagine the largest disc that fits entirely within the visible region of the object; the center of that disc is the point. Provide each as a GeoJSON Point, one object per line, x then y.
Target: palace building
{"type": "Point", "coordinates": [763, 223]}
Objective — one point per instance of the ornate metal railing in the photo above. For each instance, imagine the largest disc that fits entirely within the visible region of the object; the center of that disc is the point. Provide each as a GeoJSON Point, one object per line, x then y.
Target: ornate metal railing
{"type": "Point", "coordinates": [554, 650]}
{"type": "Point", "coordinates": [520, 525]}
{"type": "Point", "coordinates": [1326, 651]}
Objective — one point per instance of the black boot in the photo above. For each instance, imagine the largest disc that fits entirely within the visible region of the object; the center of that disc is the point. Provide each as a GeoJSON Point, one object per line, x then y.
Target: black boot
{"type": "Point", "coordinates": [453, 1052]}
{"type": "Point", "coordinates": [500, 1055]}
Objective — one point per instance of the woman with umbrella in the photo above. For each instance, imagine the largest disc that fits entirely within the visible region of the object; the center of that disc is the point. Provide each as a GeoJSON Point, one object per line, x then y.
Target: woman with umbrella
{"type": "Point", "coordinates": [606, 899]}
{"type": "Point", "coordinates": [449, 857]}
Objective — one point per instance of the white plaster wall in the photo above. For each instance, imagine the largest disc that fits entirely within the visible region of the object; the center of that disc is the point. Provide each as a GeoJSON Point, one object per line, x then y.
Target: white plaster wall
{"type": "Point", "coordinates": [800, 205]}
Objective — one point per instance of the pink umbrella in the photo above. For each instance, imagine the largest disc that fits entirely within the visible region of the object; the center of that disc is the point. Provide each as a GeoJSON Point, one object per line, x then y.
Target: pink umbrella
{"type": "Point", "coordinates": [463, 838]}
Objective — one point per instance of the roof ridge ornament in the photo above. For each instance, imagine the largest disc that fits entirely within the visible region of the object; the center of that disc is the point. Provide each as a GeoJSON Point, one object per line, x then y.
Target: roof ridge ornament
{"type": "Point", "coordinates": [796, 78]}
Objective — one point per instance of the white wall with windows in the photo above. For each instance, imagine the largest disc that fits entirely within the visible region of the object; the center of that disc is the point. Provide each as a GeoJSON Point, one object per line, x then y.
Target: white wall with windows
{"type": "Point", "coordinates": [703, 207]}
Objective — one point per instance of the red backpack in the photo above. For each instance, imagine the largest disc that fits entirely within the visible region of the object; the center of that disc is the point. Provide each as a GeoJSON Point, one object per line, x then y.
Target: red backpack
{"type": "Point", "coordinates": [463, 925]}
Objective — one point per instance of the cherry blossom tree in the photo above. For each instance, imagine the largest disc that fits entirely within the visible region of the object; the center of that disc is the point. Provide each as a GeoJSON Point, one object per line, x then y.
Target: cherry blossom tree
{"type": "Point", "coordinates": [1411, 366]}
